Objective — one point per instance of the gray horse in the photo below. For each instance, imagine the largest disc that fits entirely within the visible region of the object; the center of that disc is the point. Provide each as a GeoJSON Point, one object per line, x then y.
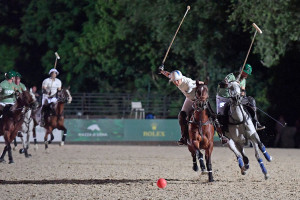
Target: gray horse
{"type": "Point", "coordinates": [241, 129]}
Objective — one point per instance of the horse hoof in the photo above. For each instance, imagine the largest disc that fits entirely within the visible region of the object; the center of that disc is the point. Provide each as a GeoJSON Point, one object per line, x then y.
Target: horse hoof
{"type": "Point", "coordinates": [11, 162]}
{"type": "Point", "coordinates": [21, 151]}
{"type": "Point", "coordinates": [204, 172]}
{"type": "Point", "coordinates": [247, 166]}
{"type": "Point", "coordinates": [211, 180]}
{"type": "Point", "coordinates": [271, 158]}
{"type": "Point", "coordinates": [267, 176]}
{"type": "Point", "coordinates": [62, 144]}
{"type": "Point", "coordinates": [2, 160]}
{"type": "Point", "coordinates": [195, 168]}
{"type": "Point", "coordinates": [28, 156]}
{"type": "Point", "coordinates": [243, 171]}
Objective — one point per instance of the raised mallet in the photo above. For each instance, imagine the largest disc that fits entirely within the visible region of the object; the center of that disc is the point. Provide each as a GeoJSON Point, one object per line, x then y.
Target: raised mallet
{"type": "Point", "coordinates": [187, 10]}
{"type": "Point", "coordinates": [56, 58]}
{"type": "Point", "coordinates": [257, 29]}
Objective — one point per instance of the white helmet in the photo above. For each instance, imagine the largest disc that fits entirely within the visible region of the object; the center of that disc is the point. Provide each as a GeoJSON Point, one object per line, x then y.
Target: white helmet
{"type": "Point", "coordinates": [53, 70]}
{"type": "Point", "coordinates": [175, 75]}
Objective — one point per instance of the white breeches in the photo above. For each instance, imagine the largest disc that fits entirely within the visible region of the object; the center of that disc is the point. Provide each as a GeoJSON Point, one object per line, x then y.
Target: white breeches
{"type": "Point", "coordinates": [187, 106]}
{"type": "Point", "coordinates": [49, 100]}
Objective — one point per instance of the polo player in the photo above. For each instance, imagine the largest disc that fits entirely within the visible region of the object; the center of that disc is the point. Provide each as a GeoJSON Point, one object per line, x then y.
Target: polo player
{"type": "Point", "coordinates": [188, 87]}
{"type": "Point", "coordinates": [50, 87]}
{"type": "Point", "coordinates": [222, 98]}
{"type": "Point", "coordinates": [7, 90]}
{"type": "Point", "coordinates": [20, 86]}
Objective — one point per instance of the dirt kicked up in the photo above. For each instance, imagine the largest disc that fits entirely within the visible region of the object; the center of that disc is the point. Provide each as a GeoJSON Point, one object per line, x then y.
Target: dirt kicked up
{"type": "Point", "coordinates": [131, 172]}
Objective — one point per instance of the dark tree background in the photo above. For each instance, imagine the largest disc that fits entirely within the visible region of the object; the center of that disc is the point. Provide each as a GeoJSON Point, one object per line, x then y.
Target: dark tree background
{"type": "Point", "coordinates": [117, 46]}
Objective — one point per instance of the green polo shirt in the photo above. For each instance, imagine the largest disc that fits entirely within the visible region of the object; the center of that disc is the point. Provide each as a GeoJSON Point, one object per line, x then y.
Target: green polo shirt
{"type": "Point", "coordinates": [21, 87]}
{"type": "Point", "coordinates": [223, 92]}
{"type": "Point", "coordinates": [6, 90]}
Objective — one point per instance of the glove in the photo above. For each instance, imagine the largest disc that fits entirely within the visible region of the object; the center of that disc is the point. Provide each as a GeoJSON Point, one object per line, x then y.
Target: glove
{"type": "Point", "coordinates": [161, 68]}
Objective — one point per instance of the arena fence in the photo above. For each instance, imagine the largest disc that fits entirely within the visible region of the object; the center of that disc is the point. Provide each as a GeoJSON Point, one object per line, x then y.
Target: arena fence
{"type": "Point", "coordinates": [118, 105]}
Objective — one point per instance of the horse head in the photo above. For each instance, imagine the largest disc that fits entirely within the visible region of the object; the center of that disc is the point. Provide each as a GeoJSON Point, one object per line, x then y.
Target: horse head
{"type": "Point", "coordinates": [64, 96]}
{"type": "Point", "coordinates": [235, 92]}
{"type": "Point", "coordinates": [25, 99]}
{"type": "Point", "coordinates": [201, 95]}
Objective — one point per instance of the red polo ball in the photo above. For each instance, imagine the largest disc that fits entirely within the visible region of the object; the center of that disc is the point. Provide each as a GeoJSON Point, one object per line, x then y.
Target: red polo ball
{"type": "Point", "coordinates": [161, 183]}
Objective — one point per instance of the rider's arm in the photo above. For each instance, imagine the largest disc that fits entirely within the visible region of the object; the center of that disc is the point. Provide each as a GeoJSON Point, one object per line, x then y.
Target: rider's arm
{"type": "Point", "coordinates": [165, 73]}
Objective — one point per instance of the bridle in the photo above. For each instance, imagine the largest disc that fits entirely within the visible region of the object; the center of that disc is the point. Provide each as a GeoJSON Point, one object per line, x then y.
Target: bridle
{"type": "Point", "coordinates": [63, 96]}
{"type": "Point", "coordinates": [236, 100]}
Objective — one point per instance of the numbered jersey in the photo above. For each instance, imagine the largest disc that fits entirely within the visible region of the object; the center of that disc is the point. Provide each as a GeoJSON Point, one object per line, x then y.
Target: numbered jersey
{"type": "Point", "coordinates": [51, 85]}
{"type": "Point", "coordinates": [7, 89]}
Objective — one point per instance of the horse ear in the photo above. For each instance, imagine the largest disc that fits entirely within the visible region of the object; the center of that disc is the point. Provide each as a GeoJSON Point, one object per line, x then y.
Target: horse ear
{"type": "Point", "coordinates": [197, 83]}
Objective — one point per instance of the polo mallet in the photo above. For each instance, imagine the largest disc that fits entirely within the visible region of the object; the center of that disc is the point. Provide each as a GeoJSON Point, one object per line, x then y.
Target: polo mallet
{"type": "Point", "coordinates": [56, 58]}
{"type": "Point", "coordinates": [187, 10]}
{"type": "Point", "coordinates": [257, 30]}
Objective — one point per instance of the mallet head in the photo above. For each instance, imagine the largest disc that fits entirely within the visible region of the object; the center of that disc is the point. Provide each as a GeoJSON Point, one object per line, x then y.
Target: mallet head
{"type": "Point", "coordinates": [257, 28]}
{"type": "Point", "coordinates": [188, 7]}
{"type": "Point", "coordinates": [57, 56]}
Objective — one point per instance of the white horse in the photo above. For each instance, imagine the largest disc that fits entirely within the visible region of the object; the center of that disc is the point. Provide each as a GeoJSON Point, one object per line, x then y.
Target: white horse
{"type": "Point", "coordinates": [240, 129]}
{"type": "Point", "coordinates": [27, 128]}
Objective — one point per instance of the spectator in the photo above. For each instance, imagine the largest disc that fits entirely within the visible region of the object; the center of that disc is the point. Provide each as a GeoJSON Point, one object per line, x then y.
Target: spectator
{"type": "Point", "coordinates": [279, 129]}
{"type": "Point", "coordinates": [36, 94]}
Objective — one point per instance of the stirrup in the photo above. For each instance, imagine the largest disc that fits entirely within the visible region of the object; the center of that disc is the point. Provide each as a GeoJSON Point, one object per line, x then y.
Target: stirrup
{"type": "Point", "coordinates": [259, 127]}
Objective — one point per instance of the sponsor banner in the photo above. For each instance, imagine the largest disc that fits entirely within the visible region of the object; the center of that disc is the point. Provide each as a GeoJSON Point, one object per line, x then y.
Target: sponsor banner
{"type": "Point", "coordinates": [151, 130]}
{"type": "Point", "coordinates": [94, 130]}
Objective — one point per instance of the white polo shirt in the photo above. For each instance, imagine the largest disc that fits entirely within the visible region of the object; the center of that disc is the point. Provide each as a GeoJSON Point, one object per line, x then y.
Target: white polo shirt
{"type": "Point", "coordinates": [51, 85]}
{"type": "Point", "coordinates": [188, 88]}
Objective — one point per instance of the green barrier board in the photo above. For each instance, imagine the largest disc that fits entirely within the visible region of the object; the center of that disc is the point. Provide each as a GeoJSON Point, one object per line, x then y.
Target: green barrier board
{"type": "Point", "coordinates": [105, 130]}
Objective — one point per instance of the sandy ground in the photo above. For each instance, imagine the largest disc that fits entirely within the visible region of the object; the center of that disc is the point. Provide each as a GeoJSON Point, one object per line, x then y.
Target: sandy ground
{"type": "Point", "coordinates": [131, 172]}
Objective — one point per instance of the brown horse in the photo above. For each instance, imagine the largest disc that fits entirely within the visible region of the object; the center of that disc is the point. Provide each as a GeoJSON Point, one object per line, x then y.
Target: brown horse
{"type": "Point", "coordinates": [201, 131]}
{"type": "Point", "coordinates": [12, 120]}
{"type": "Point", "coordinates": [55, 120]}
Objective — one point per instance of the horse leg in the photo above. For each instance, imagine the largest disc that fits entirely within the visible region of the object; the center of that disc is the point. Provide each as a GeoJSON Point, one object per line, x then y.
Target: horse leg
{"type": "Point", "coordinates": [232, 147]}
{"type": "Point", "coordinates": [262, 148]}
{"type": "Point", "coordinates": [193, 153]}
{"type": "Point", "coordinates": [51, 137]}
{"type": "Point", "coordinates": [23, 143]}
{"type": "Point", "coordinates": [3, 154]}
{"type": "Point", "coordinates": [15, 144]}
{"type": "Point", "coordinates": [200, 158]}
{"type": "Point", "coordinates": [240, 148]}
{"type": "Point", "coordinates": [46, 140]}
{"type": "Point", "coordinates": [208, 163]}
{"type": "Point", "coordinates": [34, 137]}
{"type": "Point", "coordinates": [259, 160]}
{"type": "Point", "coordinates": [10, 155]}
{"type": "Point", "coordinates": [64, 135]}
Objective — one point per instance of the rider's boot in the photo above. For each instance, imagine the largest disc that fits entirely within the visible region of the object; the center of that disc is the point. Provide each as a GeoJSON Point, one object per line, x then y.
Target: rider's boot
{"type": "Point", "coordinates": [42, 122]}
{"type": "Point", "coordinates": [256, 123]}
{"type": "Point", "coordinates": [184, 128]}
{"type": "Point", "coordinates": [219, 130]}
